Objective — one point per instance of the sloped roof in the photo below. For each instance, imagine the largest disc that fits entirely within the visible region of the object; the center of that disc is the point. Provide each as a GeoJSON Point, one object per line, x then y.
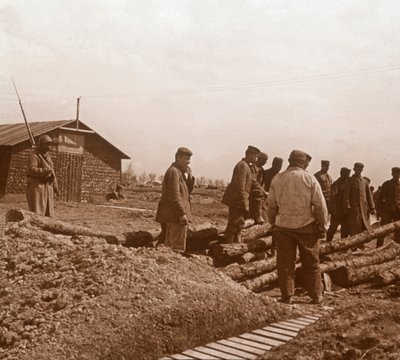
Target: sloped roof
{"type": "Point", "coordinates": [13, 134]}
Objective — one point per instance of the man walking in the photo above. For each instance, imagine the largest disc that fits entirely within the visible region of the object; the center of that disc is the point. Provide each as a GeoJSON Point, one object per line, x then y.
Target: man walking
{"type": "Point", "coordinates": [237, 194]}
{"type": "Point", "coordinates": [174, 208]}
{"type": "Point", "coordinates": [297, 210]}
{"type": "Point", "coordinates": [389, 203]}
{"type": "Point", "coordinates": [42, 182]}
{"type": "Point", "coordinates": [336, 206]}
{"type": "Point", "coordinates": [325, 180]}
{"type": "Point", "coordinates": [357, 201]}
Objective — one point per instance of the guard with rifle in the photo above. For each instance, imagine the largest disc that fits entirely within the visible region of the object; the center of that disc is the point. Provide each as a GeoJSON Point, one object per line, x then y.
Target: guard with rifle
{"type": "Point", "coordinates": [42, 182]}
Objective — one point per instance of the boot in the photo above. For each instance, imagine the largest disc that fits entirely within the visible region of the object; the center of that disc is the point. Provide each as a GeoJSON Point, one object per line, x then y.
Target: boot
{"type": "Point", "coordinates": [229, 238]}
{"type": "Point", "coordinates": [258, 219]}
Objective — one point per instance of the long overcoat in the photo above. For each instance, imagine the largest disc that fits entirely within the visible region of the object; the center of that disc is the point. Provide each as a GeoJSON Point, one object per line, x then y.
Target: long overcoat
{"type": "Point", "coordinates": [175, 196]}
{"type": "Point", "coordinates": [237, 192]}
{"type": "Point", "coordinates": [357, 198]}
{"type": "Point", "coordinates": [387, 197]}
{"type": "Point", "coordinates": [40, 185]}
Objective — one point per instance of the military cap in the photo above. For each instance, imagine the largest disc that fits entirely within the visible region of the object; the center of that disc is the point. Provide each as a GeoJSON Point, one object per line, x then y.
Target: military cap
{"type": "Point", "coordinates": [358, 164]}
{"type": "Point", "coordinates": [253, 149]}
{"type": "Point", "coordinates": [396, 169]}
{"type": "Point", "coordinates": [345, 170]}
{"type": "Point", "coordinates": [45, 139]}
{"type": "Point", "coordinates": [308, 157]}
{"type": "Point", "coordinates": [298, 155]}
{"type": "Point", "coordinates": [184, 151]}
{"type": "Point", "coordinates": [262, 156]}
{"type": "Point", "coordinates": [325, 162]}
{"type": "Point", "coordinates": [277, 160]}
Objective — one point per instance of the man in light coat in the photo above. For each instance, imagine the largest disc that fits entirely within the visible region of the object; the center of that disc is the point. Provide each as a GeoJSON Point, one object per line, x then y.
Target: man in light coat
{"type": "Point", "coordinates": [297, 210]}
{"type": "Point", "coordinates": [237, 195]}
{"type": "Point", "coordinates": [174, 209]}
{"type": "Point", "coordinates": [42, 182]}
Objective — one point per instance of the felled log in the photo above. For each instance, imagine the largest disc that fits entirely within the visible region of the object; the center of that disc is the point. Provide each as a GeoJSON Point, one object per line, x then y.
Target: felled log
{"type": "Point", "coordinates": [245, 271]}
{"type": "Point", "coordinates": [347, 276]}
{"type": "Point", "coordinates": [224, 254]}
{"type": "Point", "coordinates": [202, 231]}
{"type": "Point", "coordinates": [25, 217]}
{"type": "Point", "coordinates": [139, 238]}
{"type": "Point", "coordinates": [261, 281]}
{"type": "Point", "coordinates": [251, 256]}
{"type": "Point", "coordinates": [359, 239]}
{"type": "Point", "coordinates": [389, 276]}
{"type": "Point", "coordinates": [255, 232]}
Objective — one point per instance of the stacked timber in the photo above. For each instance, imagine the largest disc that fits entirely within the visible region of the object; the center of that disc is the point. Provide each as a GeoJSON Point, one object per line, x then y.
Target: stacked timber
{"type": "Point", "coordinates": [382, 263]}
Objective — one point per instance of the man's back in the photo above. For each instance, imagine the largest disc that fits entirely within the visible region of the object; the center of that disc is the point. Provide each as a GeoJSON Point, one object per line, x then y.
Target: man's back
{"type": "Point", "coordinates": [297, 199]}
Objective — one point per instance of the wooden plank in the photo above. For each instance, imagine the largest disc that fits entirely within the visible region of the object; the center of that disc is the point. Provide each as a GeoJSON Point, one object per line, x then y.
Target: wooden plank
{"type": "Point", "coordinates": [293, 325]}
{"type": "Point", "coordinates": [254, 344]}
{"type": "Point", "coordinates": [181, 357]}
{"type": "Point", "coordinates": [261, 339]}
{"type": "Point", "coordinates": [315, 318]}
{"type": "Point", "coordinates": [299, 322]}
{"type": "Point", "coordinates": [234, 352]}
{"type": "Point", "coordinates": [281, 326]}
{"type": "Point", "coordinates": [196, 355]}
{"type": "Point", "coordinates": [272, 335]}
{"type": "Point", "coordinates": [281, 331]}
{"type": "Point", "coordinates": [308, 321]}
{"type": "Point", "coordinates": [249, 349]}
{"type": "Point", "coordinates": [215, 354]}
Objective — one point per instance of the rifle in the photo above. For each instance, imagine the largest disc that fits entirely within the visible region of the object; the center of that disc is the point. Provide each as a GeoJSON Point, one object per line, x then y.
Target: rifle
{"type": "Point", "coordinates": [30, 132]}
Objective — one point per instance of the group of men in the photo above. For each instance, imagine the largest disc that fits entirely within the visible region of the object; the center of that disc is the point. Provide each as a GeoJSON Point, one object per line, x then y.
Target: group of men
{"type": "Point", "coordinates": [296, 203]}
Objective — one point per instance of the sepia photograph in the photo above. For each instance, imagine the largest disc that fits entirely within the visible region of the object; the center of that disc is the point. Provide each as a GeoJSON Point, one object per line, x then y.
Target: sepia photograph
{"type": "Point", "coordinates": [199, 179]}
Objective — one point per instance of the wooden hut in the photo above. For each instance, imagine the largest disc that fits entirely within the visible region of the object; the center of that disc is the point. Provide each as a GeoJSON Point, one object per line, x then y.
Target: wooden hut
{"type": "Point", "coordinates": [85, 163]}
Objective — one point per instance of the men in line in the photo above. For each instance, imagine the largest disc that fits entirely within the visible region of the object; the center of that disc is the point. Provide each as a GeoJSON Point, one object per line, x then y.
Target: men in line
{"type": "Point", "coordinates": [237, 195]}
{"type": "Point", "coordinates": [297, 210]}
{"type": "Point", "coordinates": [174, 208]}
{"type": "Point", "coordinates": [336, 205]}
{"type": "Point", "coordinates": [257, 197]}
{"type": "Point", "coordinates": [389, 203]}
{"type": "Point", "coordinates": [42, 182]}
{"type": "Point", "coordinates": [357, 201]}
{"type": "Point", "coordinates": [325, 180]}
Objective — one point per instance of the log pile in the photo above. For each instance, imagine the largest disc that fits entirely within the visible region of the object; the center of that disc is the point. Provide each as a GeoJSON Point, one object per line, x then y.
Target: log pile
{"type": "Point", "coordinates": [380, 266]}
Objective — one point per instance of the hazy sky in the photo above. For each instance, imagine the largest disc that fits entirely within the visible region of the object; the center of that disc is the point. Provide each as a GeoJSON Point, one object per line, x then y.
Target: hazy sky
{"type": "Point", "coordinates": [215, 76]}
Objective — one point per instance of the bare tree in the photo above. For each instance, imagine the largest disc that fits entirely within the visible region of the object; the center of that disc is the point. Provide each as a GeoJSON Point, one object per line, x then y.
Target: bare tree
{"type": "Point", "coordinates": [129, 176]}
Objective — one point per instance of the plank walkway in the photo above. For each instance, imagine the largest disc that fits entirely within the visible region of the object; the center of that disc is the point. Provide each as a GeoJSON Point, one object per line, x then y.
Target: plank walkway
{"type": "Point", "coordinates": [250, 345]}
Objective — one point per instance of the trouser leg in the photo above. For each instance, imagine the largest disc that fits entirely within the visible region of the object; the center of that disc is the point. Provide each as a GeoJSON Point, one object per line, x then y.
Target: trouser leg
{"type": "Point", "coordinates": [309, 256]}
{"type": "Point", "coordinates": [335, 221]}
{"type": "Point", "coordinates": [286, 258]}
{"type": "Point", "coordinates": [235, 222]}
{"type": "Point", "coordinates": [385, 219]}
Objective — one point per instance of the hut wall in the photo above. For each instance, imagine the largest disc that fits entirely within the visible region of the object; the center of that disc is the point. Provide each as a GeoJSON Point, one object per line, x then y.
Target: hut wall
{"type": "Point", "coordinates": [101, 168]}
{"type": "Point", "coordinates": [5, 157]}
{"type": "Point", "coordinates": [16, 182]}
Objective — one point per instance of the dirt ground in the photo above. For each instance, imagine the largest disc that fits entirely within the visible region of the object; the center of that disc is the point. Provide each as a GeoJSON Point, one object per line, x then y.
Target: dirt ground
{"type": "Point", "coordinates": [65, 297]}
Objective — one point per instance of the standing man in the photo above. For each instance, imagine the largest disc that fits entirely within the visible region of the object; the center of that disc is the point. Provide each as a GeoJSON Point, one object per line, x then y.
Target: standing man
{"type": "Point", "coordinates": [357, 202]}
{"type": "Point", "coordinates": [336, 204]}
{"type": "Point", "coordinates": [42, 182]}
{"type": "Point", "coordinates": [270, 173]}
{"type": "Point", "coordinates": [389, 203]}
{"type": "Point", "coordinates": [174, 208]}
{"type": "Point", "coordinates": [325, 180]}
{"type": "Point", "coordinates": [297, 210]}
{"type": "Point", "coordinates": [237, 195]}
{"type": "Point", "coordinates": [257, 197]}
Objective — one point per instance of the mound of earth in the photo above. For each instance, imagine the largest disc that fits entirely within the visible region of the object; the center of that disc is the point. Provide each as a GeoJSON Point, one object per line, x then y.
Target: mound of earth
{"type": "Point", "coordinates": [65, 297]}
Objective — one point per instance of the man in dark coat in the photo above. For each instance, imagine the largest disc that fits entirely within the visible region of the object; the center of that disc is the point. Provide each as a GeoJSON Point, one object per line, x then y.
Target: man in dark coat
{"type": "Point", "coordinates": [389, 203]}
{"type": "Point", "coordinates": [237, 195]}
{"type": "Point", "coordinates": [325, 180]}
{"type": "Point", "coordinates": [174, 208]}
{"type": "Point", "coordinates": [42, 182]}
{"type": "Point", "coordinates": [270, 173]}
{"type": "Point", "coordinates": [336, 205]}
{"type": "Point", "coordinates": [257, 197]}
{"type": "Point", "coordinates": [357, 202]}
